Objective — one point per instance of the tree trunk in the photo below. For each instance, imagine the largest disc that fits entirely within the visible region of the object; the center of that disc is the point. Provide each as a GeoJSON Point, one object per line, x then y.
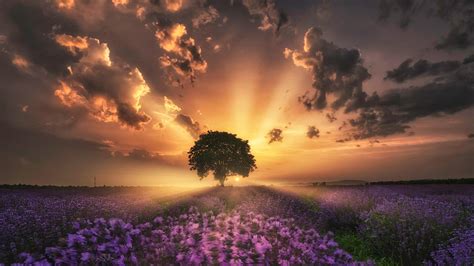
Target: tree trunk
{"type": "Point", "coordinates": [220, 176]}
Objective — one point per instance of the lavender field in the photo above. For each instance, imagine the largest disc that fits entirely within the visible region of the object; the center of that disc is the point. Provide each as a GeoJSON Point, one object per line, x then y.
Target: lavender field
{"type": "Point", "coordinates": [359, 225]}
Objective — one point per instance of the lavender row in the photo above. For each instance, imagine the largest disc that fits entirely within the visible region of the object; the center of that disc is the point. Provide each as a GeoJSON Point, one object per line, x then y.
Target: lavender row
{"type": "Point", "coordinates": [196, 238]}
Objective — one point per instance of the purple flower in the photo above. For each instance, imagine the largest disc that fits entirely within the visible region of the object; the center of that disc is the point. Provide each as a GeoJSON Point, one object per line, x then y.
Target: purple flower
{"type": "Point", "coordinates": [85, 256]}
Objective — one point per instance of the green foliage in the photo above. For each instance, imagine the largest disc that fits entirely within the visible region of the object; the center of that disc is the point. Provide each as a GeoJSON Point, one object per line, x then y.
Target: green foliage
{"type": "Point", "coordinates": [357, 247]}
{"type": "Point", "coordinates": [221, 153]}
{"type": "Point", "coordinates": [311, 204]}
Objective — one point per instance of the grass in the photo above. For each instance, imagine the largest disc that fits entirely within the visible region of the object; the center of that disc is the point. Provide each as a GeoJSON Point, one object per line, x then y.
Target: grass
{"type": "Point", "coordinates": [352, 243]}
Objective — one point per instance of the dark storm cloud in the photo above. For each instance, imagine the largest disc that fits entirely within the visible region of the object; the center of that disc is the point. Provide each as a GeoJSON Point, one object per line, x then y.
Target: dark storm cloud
{"type": "Point", "coordinates": [31, 29]}
{"type": "Point", "coordinates": [275, 134]}
{"type": "Point", "coordinates": [469, 59]}
{"type": "Point", "coordinates": [337, 71]}
{"type": "Point", "coordinates": [389, 113]}
{"type": "Point", "coordinates": [459, 14]}
{"type": "Point", "coordinates": [407, 70]}
{"type": "Point", "coordinates": [375, 122]}
{"type": "Point", "coordinates": [405, 8]}
{"type": "Point", "coordinates": [271, 18]}
{"type": "Point", "coordinates": [457, 38]}
{"type": "Point", "coordinates": [193, 127]}
{"type": "Point", "coordinates": [129, 116]}
{"type": "Point", "coordinates": [340, 72]}
{"type": "Point", "coordinates": [312, 132]}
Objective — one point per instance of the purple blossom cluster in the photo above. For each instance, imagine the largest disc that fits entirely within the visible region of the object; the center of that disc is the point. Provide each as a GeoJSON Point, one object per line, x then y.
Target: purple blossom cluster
{"type": "Point", "coordinates": [32, 219]}
{"type": "Point", "coordinates": [196, 238]}
{"type": "Point", "coordinates": [410, 227]}
{"type": "Point", "coordinates": [458, 251]}
{"type": "Point", "coordinates": [403, 222]}
{"type": "Point", "coordinates": [260, 225]}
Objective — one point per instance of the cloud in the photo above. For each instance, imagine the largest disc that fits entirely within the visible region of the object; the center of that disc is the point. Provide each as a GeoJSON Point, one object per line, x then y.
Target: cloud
{"type": "Point", "coordinates": [141, 154]}
{"type": "Point", "coordinates": [312, 132]}
{"type": "Point", "coordinates": [339, 72]}
{"type": "Point", "coordinates": [172, 113]}
{"type": "Point", "coordinates": [110, 91]}
{"type": "Point", "coordinates": [205, 16]}
{"type": "Point", "coordinates": [271, 17]}
{"type": "Point", "coordinates": [193, 127]}
{"type": "Point", "coordinates": [391, 112]}
{"type": "Point", "coordinates": [3, 39]}
{"type": "Point", "coordinates": [343, 140]}
{"type": "Point", "coordinates": [336, 71]}
{"type": "Point", "coordinates": [170, 107]}
{"type": "Point", "coordinates": [168, 115]}
{"type": "Point", "coordinates": [406, 9]}
{"type": "Point", "coordinates": [184, 56]}
{"type": "Point", "coordinates": [120, 2]}
{"type": "Point", "coordinates": [143, 9]}
{"type": "Point", "coordinates": [35, 155]}
{"type": "Point", "coordinates": [31, 35]}
{"type": "Point", "coordinates": [331, 117]}
{"type": "Point", "coordinates": [458, 14]}
{"type": "Point", "coordinates": [407, 70]}
{"type": "Point", "coordinates": [457, 38]}
{"type": "Point", "coordinates": [21, 63]}
{"type": "Point", "coordinates": [42, 147]}
{"type": "Point", "coordinates": [65, 4]}
{"type": "Point", "coordinates": [80, 67]}
{"type": "Point", "coordinates": [145, 156]}
{"type": "Point", "coordinates": [172, 5]}
{"type": "Point", "coordinates": [91, 50]}
{"type": "Point", "coordinates": [275, 135]}
{"type": "Point", "coordinates": [468, 60]}
{"type": "Point", "coordinates": [375, 122]}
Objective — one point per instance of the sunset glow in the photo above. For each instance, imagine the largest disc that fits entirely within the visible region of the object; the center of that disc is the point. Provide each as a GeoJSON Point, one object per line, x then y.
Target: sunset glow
{"type": "Point", "coordinates": [122, 89]}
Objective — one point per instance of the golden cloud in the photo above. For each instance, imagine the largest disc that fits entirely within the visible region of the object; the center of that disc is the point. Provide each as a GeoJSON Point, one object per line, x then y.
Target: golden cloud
{"type": "Point", "coordinates": [65, 4]}
{"type": "Point", "coordinates": [173, 5]}
{"type": "Point", "coordinates": [111, 92]}
{"type": "Point", "coordinates": [120, 2]}
{"type": "Point", "coordinates": [94, 52]}
{"type": "Point", "coordinates": [188, 59]}
{"type": "Point", "coordinates": [20, 62]}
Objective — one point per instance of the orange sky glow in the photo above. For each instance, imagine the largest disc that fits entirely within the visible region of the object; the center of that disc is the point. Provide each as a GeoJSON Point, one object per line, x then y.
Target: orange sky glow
{"type": "Point", "coordinates": [135, 84]}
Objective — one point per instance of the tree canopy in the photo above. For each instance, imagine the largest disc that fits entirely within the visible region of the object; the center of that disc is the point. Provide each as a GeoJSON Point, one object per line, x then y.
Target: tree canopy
{"type": "Point", "coordinates": [223, 154]}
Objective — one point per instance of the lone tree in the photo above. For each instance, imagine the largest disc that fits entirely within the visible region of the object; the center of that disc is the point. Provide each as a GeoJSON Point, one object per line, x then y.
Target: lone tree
{"type": "Point", "coordinates": [222, 153]}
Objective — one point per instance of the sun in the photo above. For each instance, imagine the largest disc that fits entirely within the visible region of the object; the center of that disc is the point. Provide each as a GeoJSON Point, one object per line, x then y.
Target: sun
{"type": "Point", "coordinates": [237, 179]}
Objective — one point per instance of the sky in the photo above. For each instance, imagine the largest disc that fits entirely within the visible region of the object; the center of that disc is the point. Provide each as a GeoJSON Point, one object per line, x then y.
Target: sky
{"type": "Point", "coordinates": [322, 90]}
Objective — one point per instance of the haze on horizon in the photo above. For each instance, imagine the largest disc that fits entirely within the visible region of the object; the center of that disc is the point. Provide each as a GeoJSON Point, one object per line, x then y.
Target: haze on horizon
{"type": "Point", "coordinates": [323, 90]}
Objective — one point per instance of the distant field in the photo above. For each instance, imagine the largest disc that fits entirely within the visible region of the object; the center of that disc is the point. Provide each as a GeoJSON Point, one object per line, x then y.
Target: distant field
{"type": "Point", "coordinates": [382, 224]}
